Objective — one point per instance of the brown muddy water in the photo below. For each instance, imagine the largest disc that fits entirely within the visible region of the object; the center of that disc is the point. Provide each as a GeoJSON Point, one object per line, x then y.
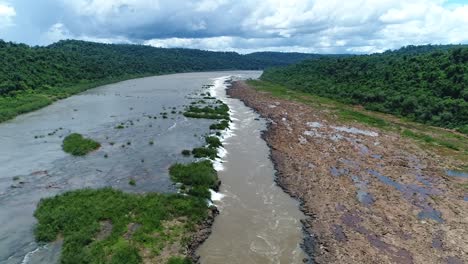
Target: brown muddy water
{"type": "Point", "coordinates": [258, 222]}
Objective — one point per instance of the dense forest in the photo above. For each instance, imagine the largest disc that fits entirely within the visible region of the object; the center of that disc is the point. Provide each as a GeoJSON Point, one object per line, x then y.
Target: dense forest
{"type": "Point", "coordinates": [427, 84]}
{"type": "Point", "coordinates": [32, 77]}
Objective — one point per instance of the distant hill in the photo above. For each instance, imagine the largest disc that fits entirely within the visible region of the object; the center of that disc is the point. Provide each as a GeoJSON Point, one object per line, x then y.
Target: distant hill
{"type": "Point", "coordinates": [428, 84]}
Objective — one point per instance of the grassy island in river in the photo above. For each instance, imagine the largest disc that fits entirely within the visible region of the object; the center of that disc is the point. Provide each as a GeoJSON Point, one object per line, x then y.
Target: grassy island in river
{"type": "Point", "coordinates": [78, 145]}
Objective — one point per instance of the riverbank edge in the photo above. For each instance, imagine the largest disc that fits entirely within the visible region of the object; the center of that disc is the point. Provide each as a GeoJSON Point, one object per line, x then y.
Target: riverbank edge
{"type": "Point", "coordinates": [310, 245]}
{"type": "Point", "coordinates": [203, 231]}
{"type": "Point", "coordinates": [80, 88]}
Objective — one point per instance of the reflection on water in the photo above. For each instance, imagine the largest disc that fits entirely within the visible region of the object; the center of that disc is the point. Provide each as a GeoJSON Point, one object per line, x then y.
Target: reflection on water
{"type": "Point", "coordinates": [258, 222]}
{"type": "Point", "coordinates": [34, 166]}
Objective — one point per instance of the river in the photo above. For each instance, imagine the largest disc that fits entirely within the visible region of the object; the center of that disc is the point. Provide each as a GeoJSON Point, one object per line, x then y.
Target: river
{"type": "Point", "coordinates": [258, 222]}
{"type": "Point", "coordinates": [34, 166]}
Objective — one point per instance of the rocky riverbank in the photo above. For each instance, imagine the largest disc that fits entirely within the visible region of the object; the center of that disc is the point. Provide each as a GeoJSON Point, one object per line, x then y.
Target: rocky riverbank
{"type": "Point", "coordinates": [372, 195]}
{"type": "Point", "coordinates": [203, 230]}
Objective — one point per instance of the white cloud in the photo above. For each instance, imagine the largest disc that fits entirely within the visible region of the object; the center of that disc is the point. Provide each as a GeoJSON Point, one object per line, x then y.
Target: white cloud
{"type": "Point", "coordinates": [7, 13]}
{"type": "Point", "coordinates": [59, 31]}
{"type": "Point", "coordinates": [244, 25]}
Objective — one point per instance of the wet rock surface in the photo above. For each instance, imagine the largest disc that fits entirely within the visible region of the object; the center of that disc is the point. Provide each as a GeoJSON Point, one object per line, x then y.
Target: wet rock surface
{"type": "Point", "coordinates": [371, 195]}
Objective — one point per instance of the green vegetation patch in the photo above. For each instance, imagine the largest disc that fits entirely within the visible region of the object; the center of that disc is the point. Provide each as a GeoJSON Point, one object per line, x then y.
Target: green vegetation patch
{"type": "Point", "coordinates": [205, 152]}
{"type": "Point", "coordinates": [428, 139]}
{"type": "Point", "coordinates": [186, 152]}
{"type": "Point", "coordinates": [77, 145]}
{"type": "Point", "coordinates": [197, 175]}
{"type": "Point", "coordinates": [178, 260]}
{"type": "Point", "coordinates": [110, 226]}
{"type": "Point", "coordinates": [208, 112]}
{"type": "Point", "coordinates": [220, 126]}
{"type": "Point", "coordinates": [213, 142]}
{"type": "Point", "coordinates": [349, 115]}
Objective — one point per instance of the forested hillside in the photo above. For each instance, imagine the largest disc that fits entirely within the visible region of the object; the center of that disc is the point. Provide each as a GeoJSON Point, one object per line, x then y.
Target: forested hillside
{"type": "Point", "coordinates": [32, 77]}
{"type": "Point", "coordinates": [428, 84]}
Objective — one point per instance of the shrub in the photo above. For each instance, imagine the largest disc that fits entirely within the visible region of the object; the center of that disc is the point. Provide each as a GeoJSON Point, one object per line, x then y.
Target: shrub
{"type": "Point", "coordinates": [208, 112]}
{"type": "Point", "coordinates": [77, 145]}
{"type": "Point", "coordinates": [204, 152]}
{"type": "Point", "coordinates": [213, 142]}
{"type": "Point", "coordinates": [201, 174]}
{"type": "Point", "coordinates": [221, 125]}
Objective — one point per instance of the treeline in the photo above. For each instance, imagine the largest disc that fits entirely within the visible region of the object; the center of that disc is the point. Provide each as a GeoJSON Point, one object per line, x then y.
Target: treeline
{"type": "Point", "coordinates": [70, 62]}
{"type": "Point", "coordinates": [427, 84]}
{"type": "Point", "coordinates": [33, 77]}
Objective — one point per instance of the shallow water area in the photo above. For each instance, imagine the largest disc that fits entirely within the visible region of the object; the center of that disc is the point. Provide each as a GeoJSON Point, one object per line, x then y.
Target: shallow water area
{"type": "Point", "coordinates": [258, 222]}
{"type": "Point", "coordinates": [456, 173]}
{"type": "Point", "coordinates": [34, 165]}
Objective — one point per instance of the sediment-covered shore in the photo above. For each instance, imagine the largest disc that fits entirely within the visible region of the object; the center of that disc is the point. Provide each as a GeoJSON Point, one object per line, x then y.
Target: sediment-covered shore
{"type": "Point", "coordinates": [372, 196]}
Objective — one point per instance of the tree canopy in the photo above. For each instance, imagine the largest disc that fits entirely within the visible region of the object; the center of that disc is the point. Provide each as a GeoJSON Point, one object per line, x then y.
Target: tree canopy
{"type": "Point", "coordinates": [33, 77]}
{"type": "Point", "coordinates": [428, 84]}
{"type": "Point", "coordinates": [71, 61]}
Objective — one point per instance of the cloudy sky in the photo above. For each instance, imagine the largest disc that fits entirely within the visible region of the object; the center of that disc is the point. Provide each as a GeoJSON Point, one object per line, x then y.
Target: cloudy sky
{"type": "Point", "coordinates": [318, 26]}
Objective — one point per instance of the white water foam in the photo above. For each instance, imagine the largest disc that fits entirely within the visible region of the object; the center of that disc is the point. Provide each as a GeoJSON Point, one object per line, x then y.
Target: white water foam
{"type": "Point", "coordinates": [173, 126]}
{"type": "Point", "coordinates": [216, 196]}
{"type": "Point", "coordinates": [217, 90]}
{"type": "Point", "coordinates": [28, 255]}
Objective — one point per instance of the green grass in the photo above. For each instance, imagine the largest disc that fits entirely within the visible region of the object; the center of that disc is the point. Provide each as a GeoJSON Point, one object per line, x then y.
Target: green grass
{"type": "Point", "coordinates": [220, 111]}
{"type": "Point", "coordinates": [204, 152]}
{"type": "Point", "coordinates": [197, 174]}
{"type": "Point", "coordinates": [77, 145]}
{"type": "Point", "coordinates": [76, 216]}
{"type": "Point", "coordinates": [213, 142]}
{"type": "Point", "coordinates": [179, 260]}
{"type": "Point", "coordinates": [220, 126]}
{"type": "Point", "coordinates": [349, 115]}
{"type": "Point", "coordinates": [428, 139]}
{"type": "Point", "coordinates": [210, 150]}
